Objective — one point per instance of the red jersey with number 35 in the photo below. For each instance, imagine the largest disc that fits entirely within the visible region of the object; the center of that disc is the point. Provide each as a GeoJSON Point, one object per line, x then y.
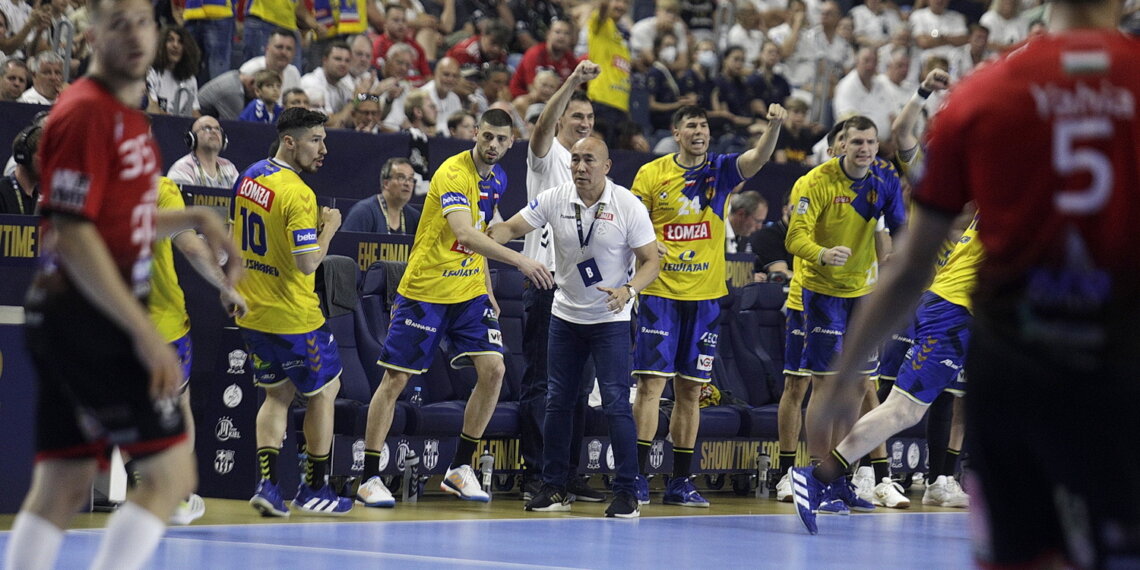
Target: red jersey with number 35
{"type": "Point", "coordinates": [99, 162]}
{"type": "Point", "coordinates": [1047, 142]}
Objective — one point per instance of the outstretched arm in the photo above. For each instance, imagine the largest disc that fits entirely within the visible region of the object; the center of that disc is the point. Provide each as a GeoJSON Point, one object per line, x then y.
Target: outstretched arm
{"type": "Point", "coordinates": [752, 160]}
{"type": "Point", "coordinates": [543, 134]}
{"type": "Point", "coordinates": [903, 126]}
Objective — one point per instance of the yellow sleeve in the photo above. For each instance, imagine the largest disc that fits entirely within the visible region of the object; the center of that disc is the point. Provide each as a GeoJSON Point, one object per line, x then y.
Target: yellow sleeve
{"type": "Point", "coordinates": [641, 185]}
{"type": "Point", "coordinates": [805, 213]}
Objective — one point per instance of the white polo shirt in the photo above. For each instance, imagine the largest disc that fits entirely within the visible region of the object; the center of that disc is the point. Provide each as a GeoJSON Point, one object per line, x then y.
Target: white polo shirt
{"type": "Point", "coordinates": [621, 226]}
{"type": "Point", "coordinates": [542, 174]}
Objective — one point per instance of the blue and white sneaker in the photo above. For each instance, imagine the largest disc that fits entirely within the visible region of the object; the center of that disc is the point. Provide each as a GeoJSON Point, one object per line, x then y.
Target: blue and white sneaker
{"type": "Point", "coordinates": [267, 500]}
{"type": "Point", "coordinates": [807, 491]}
{"type": "Point", "coordinates": [323, 501]}
{"type": "Point", "coordinates": [373, 493]}
{"type": "Point", "coordinates": [844, 490]}
{"type": "Point", "coordinates": [641, 489]}
{"type": "Point", "coordinates": [681, 491]}
{"type": "Point", "coordinates": [833, 507]}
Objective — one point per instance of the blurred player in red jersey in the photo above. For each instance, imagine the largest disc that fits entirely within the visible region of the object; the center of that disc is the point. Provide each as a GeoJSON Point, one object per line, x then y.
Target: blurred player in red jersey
{"type": "Point", "coordinates": [1047, 143]}
{"type": "Point", "coordinates": [106, 376]}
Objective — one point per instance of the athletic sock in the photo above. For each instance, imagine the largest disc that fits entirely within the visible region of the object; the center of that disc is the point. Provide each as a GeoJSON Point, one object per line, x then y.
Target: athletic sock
{"type": "Point", "coordinates": [132, 535]}
{"type": "Point", "coordinates": [464, 450]}
{"type": "Point", "coordinates": [682, 462]}
{"type": "Point", "coordinates": [371, 464]}
{"type": "Point", "coordinates": [833, 467]}
{"type": "Point", "coordinates": [643, 449]}
{"type": "Point", "coordinates": [317, 471]}
{"type": "Point", "coordinates": [267, 463]}
{"type": "Point", "coordinates": [787, 461]}
{"type": "Point", "coordinates": [950, 463]}
{"type": "Point", "coordinates": [34, 543]}
{"type": "Point", "coordinates": [882, 466]}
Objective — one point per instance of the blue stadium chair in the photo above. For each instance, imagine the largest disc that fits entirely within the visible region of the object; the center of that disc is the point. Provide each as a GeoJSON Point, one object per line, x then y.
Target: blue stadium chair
{"type": "Point", "coordinates": [724, 421]}
{"type": "Point", "coordinates": [756, 335]}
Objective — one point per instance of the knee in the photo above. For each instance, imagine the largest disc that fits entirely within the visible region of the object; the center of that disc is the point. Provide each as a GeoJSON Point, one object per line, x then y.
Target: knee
{"type": "Point", "coordinates": [795, 387]}
{"type": "Point", "coordinates": [392, 385]}
{"type": "Point", "coordinates": [494, 369]}
{"type": "Point", "coordinates": [650, 387]}
{"type": "Point", "coordinates": [687, 392]}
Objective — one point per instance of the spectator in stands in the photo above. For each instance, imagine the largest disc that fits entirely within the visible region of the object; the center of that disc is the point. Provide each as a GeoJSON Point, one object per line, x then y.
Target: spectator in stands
{"type": "Point", "coordinates": [859, 93]}
{"type": "Point", "coordinates": [590, 316]}
{"type": "Point", "coordinates": [965, 59]}
{"type": "Point", "coordinates": [937, 30]}
{"type": "Point", "coordinates": [1006, 25]}
{"type": "Point", "coordinates": [875, 23]}
{"type": "Point", "coordinates": [212, 26]}
{"type": "Point", "coordinates": [534, 20]}
{"type": "Point", "coordinates": [398, 61]}
{"type": "Point", "coordinates": [540, 91]}
{"type": "Point", "coordinates": [267, 89]}
{"type": "Point", "coordinates": [664, 91]}
{"type": "Point", "coordinates": [171, 83]}
{"type": "Point", "coordinates": [490, 89]}
{"type": "Point", "coordinates": [396, 31]}
{"type": "Point", "coordinates": [20, 191]}
{"type": "Point", "coordinates": [461, 125]}
{"type": "Point", "coordinates": [226, 95]}
{"type": "Point", "coordinates": [747, 213]}
{"type": "Point", "coordinates": [900, 41]}
{"type": "Point", "coordinates": [735, 100]}
{"type": "Point", "coordinates": [13, 79]}
{"type": "Point", "coordinates": [366, 114]}
{"type": "Point", "coordinates": [895, 77]}
{"type": "Point", "coordinates": [556, 54]}
{"type": "Point", "coordinates": [700, 17]}
{"type": "Point", "coordinates": [566, 119]}
{"type": "Point", "coordinates": [203, 166]}
{"type": "Point", "coordinates": [798, 135]}
{"type": "Point", "coordinates": [18, 27]}
{"type": "Point", "coordinates": [608, 47]}
{"type": "Point", "coordinates": [667, 18]}
{"type": "Point", "coordinates": [748, 33]}
{"type": "Point", "coordinates": [452, 307]}
{"type": "Point", "coordinates": [771, 87]}
{"type": "Point", "coordinates": [265, 17]}
{"type": "Point", "coordinates": [472, 17]}
{"type": "Point", "coordinates": [773, 262]}
{"type": "Point", "coordinates": [295, 97]}
{"type": "Point", "coordinates": [47, 79]}
{"type": "Point", "coordinates": [360, 66]}
{"type": "Point", "coordinates": [804, 50]}
{"type": "Point", "coordinates": [279, 51]}
{"type": "Point", "coordinates": [329, 86]}
{"type": "Point", "coordinates": [441, 90]}
{"type": "Point", "coordinates": [489, 46]}
{"type": "Point", "coordinates": [1037, 28]}
{"type": "Point", "coordinates": [690, 283]}
{"type": "Point", "coordinates": [429, 23]}
{"type": "Point", "coordinates": [420, 113]}
{"type": "Point", "coordinates": [389, 212]}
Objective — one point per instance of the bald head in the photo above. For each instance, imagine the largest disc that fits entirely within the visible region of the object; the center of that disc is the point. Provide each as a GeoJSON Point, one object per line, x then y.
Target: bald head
{"type": "Point", "coordinates": [446, 75]}
{"type": "Point", "coordinates": [208, 135]}
{"type": "Point", "coordinates": [589, 165]}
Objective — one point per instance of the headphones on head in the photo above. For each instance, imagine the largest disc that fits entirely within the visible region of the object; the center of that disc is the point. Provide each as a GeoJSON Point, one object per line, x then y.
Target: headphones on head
{"type": "Point", "coordinates": [23, 149]}
{"type": "Point", "coordinates": [191, 139]}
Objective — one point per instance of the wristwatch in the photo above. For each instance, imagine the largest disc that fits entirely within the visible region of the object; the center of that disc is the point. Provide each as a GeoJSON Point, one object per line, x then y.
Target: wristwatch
{"type": "Point", "coordinates": [632, 292]}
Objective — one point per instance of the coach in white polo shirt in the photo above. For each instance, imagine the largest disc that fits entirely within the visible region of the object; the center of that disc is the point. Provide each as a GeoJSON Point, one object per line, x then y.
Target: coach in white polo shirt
{"type": "Point", "coordinates": [598, 229]}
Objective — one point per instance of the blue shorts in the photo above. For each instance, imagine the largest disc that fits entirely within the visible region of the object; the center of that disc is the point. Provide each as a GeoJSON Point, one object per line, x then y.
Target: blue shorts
{"type": "Point", "coordinates": [893, 353]}
{"type": "Point", "coordinates": [310, 360]}
{"type": "Point", "coordinates": [183, 346]}
{"type": "Point", "coordinates": [934, 363]}
{"type": "Point", "coordinates": [825, 320]}
{"type": "Point", "coordinates": [794, 344]}
{"type": "Point", "coordinates": [676, 338]}
{"type": "Point", "coordinates": [417, 328]}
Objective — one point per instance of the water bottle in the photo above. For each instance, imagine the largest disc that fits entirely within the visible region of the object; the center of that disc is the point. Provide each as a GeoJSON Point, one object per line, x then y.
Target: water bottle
{"type": "Point", "coordinates": [410, 482]}
{"type": "Point", "coordinates": [487, 468]}
{"type": "Point", "coordinates": [417, 398]}
{"type": "Point", "coordinates": [763, 463]}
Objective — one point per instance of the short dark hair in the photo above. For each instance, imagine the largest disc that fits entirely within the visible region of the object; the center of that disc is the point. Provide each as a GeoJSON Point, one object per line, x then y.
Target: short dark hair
{"type": "Point", "coordinates": [686, 112]}
{"type": "Point", "coordinates": [386, 170]}
{"type": "Point", "coordinates": [834, 132]}
{"type": "Point", "coordinates": [456, 118]}
{"type": "Point", "coordinates": [296, 118]}
{"type": "Point", "coordinates": [859, 123]}
{"type": "Point", "coordinates": [498, 31]}
{"type": "Point", "coordinates": [496, 118]}
{"type": "Point", "coordinates": [337, 44]}
{"type": "Point", "coordinates": [283, 33]}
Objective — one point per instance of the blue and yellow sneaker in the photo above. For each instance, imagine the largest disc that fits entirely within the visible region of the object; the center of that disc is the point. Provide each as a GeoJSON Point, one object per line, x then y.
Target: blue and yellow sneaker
{"type": "Point", "coordinates": [641, 489]}
{"type": "Point", "coordinates": [681, 491]}
{"type": "Point", "coordinates": [323, 501]}
{"type": "Point", "coordinates": [807, 491]}
{"type": "Point", "coordinates": [267, 500]}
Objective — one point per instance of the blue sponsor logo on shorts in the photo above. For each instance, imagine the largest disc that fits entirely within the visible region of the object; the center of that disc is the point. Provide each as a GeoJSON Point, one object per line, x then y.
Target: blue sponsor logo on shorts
{"type": "Point", "coordinates": [304, 237]}
{"type": "Point", "coordinates": [453, 199]}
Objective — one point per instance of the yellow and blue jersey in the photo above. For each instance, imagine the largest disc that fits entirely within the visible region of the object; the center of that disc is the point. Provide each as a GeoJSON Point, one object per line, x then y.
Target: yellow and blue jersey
{"type": "Point", "coordinates": [440, 269]}
{"type": "Point", "coordinates": [956, 279]}
{"type": "Point", "coordinates": [608, 46]}
{"type": "Point", "coordinates": [278, 12]}
{"type": "Point", "coordinates": [687, 208]}
{"type": "Point", "coordinates": [167, 303]}
{"type": "Point", "coordinates": [833, 210]}
{"type": "Point", "coordinates": [208, 10]}
{"type": "Point", "coordinates": [275, 217]}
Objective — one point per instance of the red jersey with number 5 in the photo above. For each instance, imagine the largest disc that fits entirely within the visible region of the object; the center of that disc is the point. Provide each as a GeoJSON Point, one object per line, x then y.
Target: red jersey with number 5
{"type": "Point", "coordinates": [99, 162]}
{"type": "Point", "coordinates": [1047, 142]}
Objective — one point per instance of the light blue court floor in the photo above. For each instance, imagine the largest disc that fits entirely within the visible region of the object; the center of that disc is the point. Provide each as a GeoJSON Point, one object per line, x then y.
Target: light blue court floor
{"type": "Point", "coordinates": [902, 540]}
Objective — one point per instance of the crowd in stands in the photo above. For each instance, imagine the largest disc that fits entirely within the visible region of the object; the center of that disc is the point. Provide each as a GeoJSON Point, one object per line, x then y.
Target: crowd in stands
{"type": "Point", "coordinates": [361, 61]}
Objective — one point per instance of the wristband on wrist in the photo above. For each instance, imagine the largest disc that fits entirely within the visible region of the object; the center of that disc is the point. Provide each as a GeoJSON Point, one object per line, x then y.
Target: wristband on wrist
{"type": "Point", "coordinates": [924, 93]}
{"type": "Point", "coordinates": [632, 292]}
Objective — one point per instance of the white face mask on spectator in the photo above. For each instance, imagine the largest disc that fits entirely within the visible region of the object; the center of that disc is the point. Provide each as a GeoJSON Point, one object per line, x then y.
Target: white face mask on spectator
{"type": "Point", "coordinates": [668, 54]}
{"type": "Point", "coordinates": [707, 58]}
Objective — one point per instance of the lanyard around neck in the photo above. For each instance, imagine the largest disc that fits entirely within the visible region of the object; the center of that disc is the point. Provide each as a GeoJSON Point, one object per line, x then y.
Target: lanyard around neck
{"type": "Point", "coordinates": [584, 242]}
{"type": "Point", "coordinates": [384, 211]}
